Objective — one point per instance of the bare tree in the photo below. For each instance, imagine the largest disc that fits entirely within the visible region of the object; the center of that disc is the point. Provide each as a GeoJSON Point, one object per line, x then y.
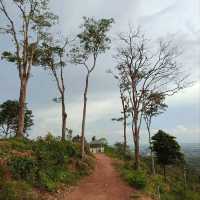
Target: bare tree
{"type": "Point", "coordinates": [25, 28]}
{"type": "Point", "coordinates": [147, 69]}
{"type": "Point", "coordinates": [93, 41]}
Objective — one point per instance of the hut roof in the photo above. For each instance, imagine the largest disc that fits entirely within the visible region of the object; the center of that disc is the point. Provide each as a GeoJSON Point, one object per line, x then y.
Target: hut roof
{"type": "Point", "coordinates": [95, 143]}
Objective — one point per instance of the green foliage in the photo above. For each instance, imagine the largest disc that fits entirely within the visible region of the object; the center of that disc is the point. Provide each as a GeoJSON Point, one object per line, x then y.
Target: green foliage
{"type": "Point", "coordinates": [9, 118]}
{"type": "Point", "coordinates": [93, 40]}
{"type": "Point", "coordinates": [23, 168]}
{"type": "Point", "coordinates": [10, 57]}
{"type": "Point", "coordinates": [52, 151]}
{"type": "Point", "coordinates": [174, 187]}
{"type": "Point", "coordinates": [136, 179]}
{"type": "Point", "coordinates": [44, 163]}
{"type": "Point", "coordinates": [117, 151]}
{"type": "Point", "coordinates": [154, 105]}
{"type": "Point", "coordinates": [38, 19]}
{"type": "Point", "coordinates": [166, 148]}
{"type": "Point", "coordinates": [45, 182]}
{"type": "Point", "coordinates": [180, 193]}
{"type": "Point", "coordinates": [16, 190]}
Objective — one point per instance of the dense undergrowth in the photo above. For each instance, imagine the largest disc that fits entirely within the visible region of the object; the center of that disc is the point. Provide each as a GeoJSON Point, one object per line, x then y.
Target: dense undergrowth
{"type": "Point", "coordinates": [28, 166]}
{"type": "Point", "coordinates": [173, 188]}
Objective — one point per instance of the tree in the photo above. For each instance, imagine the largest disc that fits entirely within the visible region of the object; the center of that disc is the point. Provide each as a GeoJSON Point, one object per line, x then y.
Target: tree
{"type": "Point", "coordinates": [147, 69]}
{"type": "Point", "coordinates": [26, 28]}
{"type": "Point", "coordinates": [167, 150]}
{"type": "Point", "coordinates": [92, 42]}
{"type": "Point", "coordinates": [154, 105]}
{"type": "Point", "coordinates": [9, 118]}
{"type": "Point", "coordinates": [124, 104]}
{"type": "Point", "coordinates": [52, 58]}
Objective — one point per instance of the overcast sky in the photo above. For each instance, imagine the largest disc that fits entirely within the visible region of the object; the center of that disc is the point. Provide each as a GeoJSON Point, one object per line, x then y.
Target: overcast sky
{"type": "Point", "coordinates": [177, 19]}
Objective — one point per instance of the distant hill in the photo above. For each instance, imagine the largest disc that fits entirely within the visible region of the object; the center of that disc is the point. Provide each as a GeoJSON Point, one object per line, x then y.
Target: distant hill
{"type": "Point", "coordinates": [192, 155]}
{"type": "Point", "coordinates": [190, 150]}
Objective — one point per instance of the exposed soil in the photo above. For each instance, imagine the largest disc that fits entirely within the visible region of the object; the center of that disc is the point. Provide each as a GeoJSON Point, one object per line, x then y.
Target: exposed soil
{"type": "Point", "coordinates": [103, 184]}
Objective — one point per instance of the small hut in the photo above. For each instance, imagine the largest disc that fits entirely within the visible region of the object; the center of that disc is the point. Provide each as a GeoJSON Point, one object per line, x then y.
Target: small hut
{"type": "Point", "coordinates": [96, 146]}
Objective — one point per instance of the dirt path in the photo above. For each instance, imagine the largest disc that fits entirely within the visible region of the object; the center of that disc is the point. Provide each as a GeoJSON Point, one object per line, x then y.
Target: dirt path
{"type": "Point", "coordinates": [103, 184]}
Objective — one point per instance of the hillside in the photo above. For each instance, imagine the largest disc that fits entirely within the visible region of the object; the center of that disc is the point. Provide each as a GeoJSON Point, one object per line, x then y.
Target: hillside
{"type": "Point", "coordinates": [176, 186]}
{"type": "Point", "coordinates": [28, 168]}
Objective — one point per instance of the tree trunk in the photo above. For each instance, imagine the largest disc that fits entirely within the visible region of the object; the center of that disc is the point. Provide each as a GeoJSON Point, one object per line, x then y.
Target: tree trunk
{"type": "Point", "coordinates": [22, 101]}
{"type": "Point", "coordinates": [125, 141]}
{"type": "Point", "coordinates": [84, 118]}
{"type": "Point", "coordinates": [136, 142]}
{"type": "Point", "coordinates": [164, 172]}
{"type": "Point", "coordinates": [137, 151]}
{"type": "Point", "coordinates": [151, 151]}
{"type": "Point", "coordinates": [124, 122]}
{"type": "Point", "coordinates": [64, 117]}
{"type": "Point", "coordinates": [152, 162]}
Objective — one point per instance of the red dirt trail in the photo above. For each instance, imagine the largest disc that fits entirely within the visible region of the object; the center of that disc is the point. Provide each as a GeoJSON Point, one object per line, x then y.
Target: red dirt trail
{"type": "Point", "coordinates": [103, 184]}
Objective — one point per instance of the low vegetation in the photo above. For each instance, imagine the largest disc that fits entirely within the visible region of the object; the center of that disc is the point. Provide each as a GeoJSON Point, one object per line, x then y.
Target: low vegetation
{"type": "Point", "coordinates": [28, 166]}
{"type": "Point", "coordinates": [175, 187]}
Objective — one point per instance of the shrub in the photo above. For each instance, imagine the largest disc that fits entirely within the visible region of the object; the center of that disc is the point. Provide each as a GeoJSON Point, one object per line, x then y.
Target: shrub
{"type": "Point", "coordinates": [52, 151]}
{"type": "Point", "coordinates": [45, 182]}
{"type": "Point", "coordinates": [15, 190]}
{"type": "Point", "coordinates": [66, 177]}
{"type": "Point", "coordinates": [44, 163]}
{"type": "Point", "coordinates": [21, 144]}
{"type": "Point", "coordinates": [136, 179]}
{"type": "Point", "coordinates": [23, 168]}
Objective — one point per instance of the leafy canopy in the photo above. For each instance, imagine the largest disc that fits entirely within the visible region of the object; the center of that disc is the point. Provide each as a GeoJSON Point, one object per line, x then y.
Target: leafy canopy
{"type": "Point", "coordinates": [9, 118]}
{"type": "Point", "coordinates": [93, 40]}
{"type": "Point", "coordinates": [26, 28]}
{"type": "Point", "coordinates": [166, 148]}
{"type": "Point", "coordinates": [94, 35]}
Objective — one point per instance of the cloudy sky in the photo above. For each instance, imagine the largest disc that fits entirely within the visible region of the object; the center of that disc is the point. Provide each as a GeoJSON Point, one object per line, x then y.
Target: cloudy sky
{"type": "Point", "coordinates": [177, 19]}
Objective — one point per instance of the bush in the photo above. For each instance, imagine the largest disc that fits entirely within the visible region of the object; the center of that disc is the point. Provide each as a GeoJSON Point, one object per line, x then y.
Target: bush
{"type": "Point", "coordinates": [23, 168]}
{"type": "Point", "coordinates": [45, 182]}
{"type": "Point", "coordinates": [51, 151]}
{"type": "Point", "coordinates": [15, 190]}
{"type": "Point", "coordinates": [136, 179]}
{"type": "Point", "coordinates": [67, 177]}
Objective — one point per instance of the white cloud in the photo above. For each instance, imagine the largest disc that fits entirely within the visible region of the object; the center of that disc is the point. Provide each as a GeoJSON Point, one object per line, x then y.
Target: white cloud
{"type": "Point", "coordinates": [49, 117]}
{"type": "Point", "coordinates": [188, 96]}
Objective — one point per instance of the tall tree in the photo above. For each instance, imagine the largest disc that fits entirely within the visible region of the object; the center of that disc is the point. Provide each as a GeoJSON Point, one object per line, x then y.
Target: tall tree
{"type": "Point", "coordinates": [154, 105]}
{"type": "Point", "coordinates": [9, 118]}
{"type": "Point", "coordinates": [25, 28]}
{"type": "Point", "coordinates": [92, 41]}
{"type": "Point", "coordinates": [147, 70]}
{"type": "Point", "coordinates": [167, 150]}
{"type": "Point", "coordinates": [52, 57]}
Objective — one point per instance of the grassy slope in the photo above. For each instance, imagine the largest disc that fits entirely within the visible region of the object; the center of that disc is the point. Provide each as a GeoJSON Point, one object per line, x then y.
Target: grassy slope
{"type": "Point", "coordinates": [44, 165]}
{"type": "Point", "coordinates": [172, 189]}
